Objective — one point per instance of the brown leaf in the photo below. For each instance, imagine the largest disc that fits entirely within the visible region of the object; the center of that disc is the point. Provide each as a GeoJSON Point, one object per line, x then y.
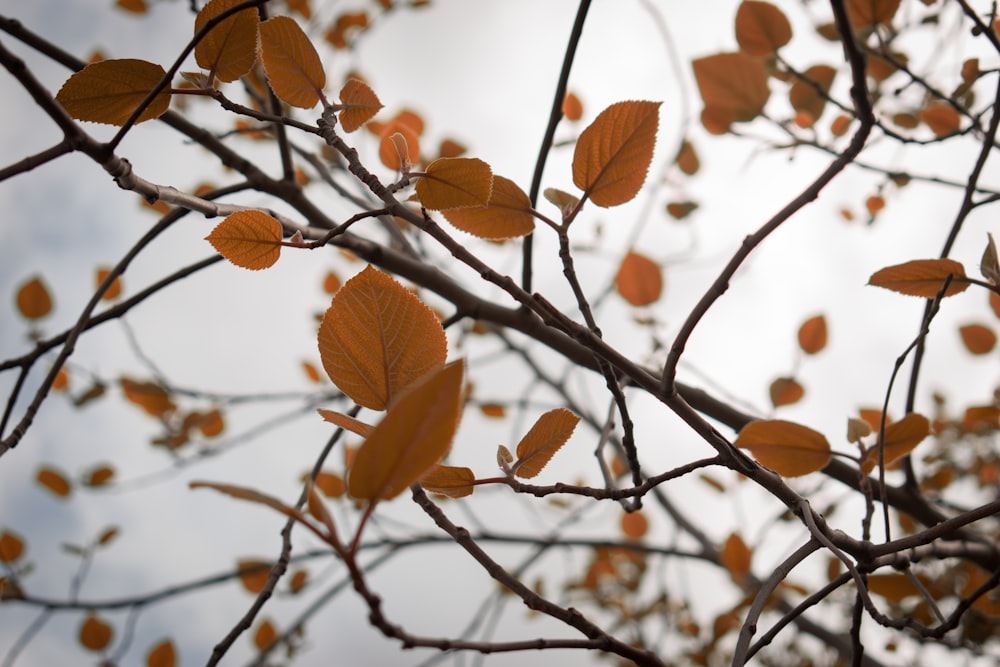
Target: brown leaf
{"type": "Point", "coordinates": [634, 525]}
{"type": "Point", "coordinates": [114, 289]}
{"type": "Point", "coordinates": [542, 441]}
{"type": "Point", "coordinates": [162, 655]}
{"type": "Point", "coordinates": [613, 154]}
{"type": "Point", "coordinates": [251, 495]}
{"type": "Point", "coordinates": [449, 481]}
{"type": "Point", "coordinates": [786, 391]}
{"type": "Point", "coordinates": [229, 50]}
{"type": "Point", "coordinates": [95, 634]}
{"type": "Point", "coordinates": [687, 159]}
{"type": "Point", "coordinates": [54, 481]}
{"type": "Point", "coordinates": [290, 60]}
{"type": "Point", "coordinates": [11, 547]}
{"type": "Point", "coordinates": [733, 86]}
{"type": "Point", "coordinates": [33, 299]}
{"type": "Point", "coordinates": [900, 439]}
{"type": "Point", "coordinates": [813, 335]}
{"type": "Point", "coordinates": [639, 280]}
{"type": "Point", "coordinates": [346, 422]}
{"type": "Point", "coordinates": [869, 13]}
{"type": "Point", "coordinates": [922, 277]}
{"type": "Point", "coordinates": [415, 433]}
{"type": "Point", "coordinates": [809, 94]}
{"type": "Point", "coordinates": [787, 448]}
{"type": "Point", "coordinates": [455, 182]}
{"type": "Point", "coordinates": [736, 557]}
{"type": "Point", "coordinates": [572, 107]}
{"type": "Point", "coordinates": [359, 104]}
{"type": "Point", "coordinates": [249, 239]}
{"type": "Point", "coordinates": [989, 267]}
{"type": "Point", "coordinates": [149, 396]}
{"type": "Point", "coordinates": [761, 28]}
{"type": "Point", "coordinates": [253, 574]}
{"type": "Point", "coordinates": [942, 118]}
{"type": "Point", "coordinates": [265, 635]}
{"type": "Point", "coordinates": [508, 214]}
{"type": "Point", "coordinates": [330, 485]}
{"type": "Point", "coordinates": [978, 338]}
{"type": "Point", "coordinates": [110, 90]}
{"type": "Point", "coordinates": [377, 338]}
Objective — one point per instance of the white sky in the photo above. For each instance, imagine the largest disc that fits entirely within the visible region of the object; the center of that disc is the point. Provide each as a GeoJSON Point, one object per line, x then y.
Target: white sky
{"type": "Point", "coordinates": [481, 72]}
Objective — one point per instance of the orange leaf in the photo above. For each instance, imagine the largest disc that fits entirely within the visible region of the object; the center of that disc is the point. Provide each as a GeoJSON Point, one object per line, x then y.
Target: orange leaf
{"type": "Point", "coordinates": [114, 289]}
{"type": "Point", "coordinates": [736, 557]}
{"type": "Point", "coordinates": [809, 94]}
{"type": "Point", "coordinates": [893, 587]}
{"type": "Point", "coordinates": [679, 210]}
{"type": "Point", "coordinates": [377, 338]}
{"type": "Point", "coordinates": [900, 439]}
{"type": "Point", "coordinates": [572, 108]}
{"type": "Point", "coordinates": [449, 481]}
{"type": "Point", "coordinates": [331, 485]}
{"type": "Point", "coordinates": [229, 50]}
{"type": "Point", "coordinates": [11, 547]}
{"type": "Point", "coordinates": [265, 636]}
{"type": "Point", "coordinates": [243, 493]}
{"type": "Point", "coordinates": [869, 13]}
{"type": "Point", "coordinates": [812, 335]}
{"type": "Point", "coordinates": [415, 434]}
{"type": "Point", "coordinates": [99, 476]}
{"type": "Point", "coordinates": [978, 339]}
{"type": "Point", "coordinates": [787, 448]}
{"type": "Point", "coordinates": [298, 581]}
{"type": "Point", "coordinates": [455, 182]}
{"type": "Point", "coordinates": [639, 280]}
{"type": "Point", "coordinates": [249, 239]}
{"type": "Point", "coordinates": [495, 410]}
{"type": "Point", "coordinates": [346, 422]}
{"type": "Point", "coordinates": [54, 481]}
{"type": "Point", "coordinates": [687, 159]}
{"type": "Point", "coordinates": [942, 118]}
{"type": "Point", "coordinates": [786, 391]}
{"type": "Point", "coordinates": [211, 423]}
{"type": "Point", "coordinates": [545, 438]}
{"type": "Point", "coordinates": [162, 655]}
{"type": "Point", "coordinates": [149, 396]}
{"type": "Point", "coordinates": [290, 60]}
{"type": "Point", "coordinates": [134, 6]}
{"type": "Point", "coordinates": [33, 300]}
{"type": "Point", "coordinates": [95, 634]}
{"type": "Point", "coordinates": [634, 525]}
{"type": "Point", "coordinates": [359, 103]}
{"type": "Point", "coordinates": [733, 86]}
{"type": "Point", "coordinates": [922, 277]}
{"type": "Point", "coordinates": [507, 215]}
{"type": "Point", "coordinates": [110, 90]}
{"type": "Point", "coordinates": [253, 574]}
{"type": "Point", "coordinates": [613, 154]}
{"type": "Point", "coordinates": [761, 28]}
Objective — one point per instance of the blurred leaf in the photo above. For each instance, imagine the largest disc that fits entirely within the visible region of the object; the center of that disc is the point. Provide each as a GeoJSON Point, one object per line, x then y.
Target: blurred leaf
{"type": "Point", "coordinates": [869, 13]}
{"type": "Point", "coordinates": [900, 439]}
{"type": "Point", "coordinates": [687, 159]}
{"type": "Point", "coordinates": [149, 396]}
{"type": "Point", "coordinates": [736, 557]}
{"type": "Point", "coordinates": [114, 289]}
{"type": "Point", "coordinates": [265, 635]}
{"type": "Point", "coordinates": [162, 655]}
{"type": "Point", "coordinates": [809, 94]}
{"type": "Point", "coordinates": [761, 28]}
{"type": "Point", "coordinates": [95, 634]}
{"type": "Point", "coordinates": [99, 476]}
{"type": "Point", "coordinates": [249, 239]}
{"type": "Point", "coordinates": [922, 277]}
{"type": "Point", "coordinates": [612, 155]}
{"type": "Point", "coordinates": [244, 493]}
{"type": "Point", "coordinates": [989, 267]}
{"type": "Point", "coordinates": [110, 90]}
{"type": "Point", "coordinates": [545, 438]}
{"type": "Point", "coordinates": [330, 485]}
{"type": "Point", "coordinates": [229, 50]}
{"type": "Point", "coordinates": [449, 481]}
{"type": "Point", "coordinates": [415, 433]}
{"type": "Point", "coordinates": [11, 547]}
{"type": "Point", "coordinates": [33, 300]}
{"type": "Point", "coordinates": [293, 67]}
{"type": "Point", "coordinates": [733, 88]}
{"type": "Point", "coordinates": [634, 525]}
{"type": "Point", "coordinates": [377, 338]}
{"type": "Point", "coordinates": [942, 118]}
{"type": "Point", "coordinates": [639, 280]}
{"type": "Point", "coordinates": [978, 339]}
{"type": "Point", "coordinates": [787, 448]}
{"type": "Point", "coordinates": [813, 335]}
{"type": "Point", "coordinates": [54, 481]}
{"type": "Point", "coordinates": [786, 391]}
{"type": "Point", "coordinates": [346, 422]}
{"type": "Point", "coordinates": [253, 574]}
{"type": "Point", "coordinates": [572, 108]}
{"type": "Point", "coordinates": [507, 215]}
{"type": "Point", "coordinates": [455, 182]}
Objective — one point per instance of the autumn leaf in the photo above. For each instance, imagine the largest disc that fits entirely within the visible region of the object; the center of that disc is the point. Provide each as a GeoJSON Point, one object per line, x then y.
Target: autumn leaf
{"type": "Point", "coordinates": [639, 280]}
{"type": "Point", "coordinates": [507, 215]}
{"type": "Point", "coordinates": [989, 266]}
{"type": "Point", "coordinates": [395, 153]}
{"type": "Point", "coordinates": [613, 154]}
{"type": "Point", "coordinates": [415, 433]}
{"type": "Point", "coordinates": [149, 396]}
{"type": "Point", "coordinates": [542, 441]}
{"type": "Point", "coordinates": [99, 476]}
{"type": "Point", "coordinates": [736, 557]}
{"type": "Point", "coordinates": [54, 481]}
{"type": "Point", "coordinates": [114, 289]}
{"type": "Point", "coordinates": [922, 277]}
{"type": "Point", "coordinates": [358, 104]}
{"type": "Point", "coordinates": [265, 635]}
{"type": "Point", "coordinates": [733, 87]}
{"type": "Point", "coordinates": [111, 90]}
{"type": "Point", "coordinates": [229, 49]}
{"type": "Point", "coordinates": [11, 547]}
{"type": "Point", "coordinates": [330, 485]}
{"type": "Point", "coordinates": [634, 525]}
{"type": "Point", "coordinates": [253, 574]}
{"type": "Point", "coordinates": [250, 495]}
{"type": "Point", "coordinates": [900, 439]}
{"type": "Point", "coordinates": [346, 422]}
{"type": "Point", "coordinates": [455, 182]}
{"type": "Point", "coordinates": [809, 94]}
{"type": "Point", "coordinates": [813, 335]}
{"type": "Point", "coordinates": [377, 338]}
{"type": "Point", "coordinates": [869, 13]}
{"type": "Point", "coordinates": [162, 655]}
{"type": "Point", "coordinates": [572, 107]}
{"type": "Point", "coordinates": [761, 28]}
{"type": "Point", "coordinates": [449, 481]}
{"type": "Point", "coordinates": [33, 299]}
{"type": "Point", "coordinates": [941, 118]}
{"type": "Point", "coordinates": [687, 159]}
{"type": "Point", "coordinates": [787, 448]}
{"type": "Point", "coordinates": [785, 391]}
{"type": "Point", "coordinates": [290, 60]}
{"type": "Point", "coordinates": [978, 338]}
{"type": "Point", "coordinates": [95, 634]}
{"type": "Point", "coordinates": [248, 239]}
